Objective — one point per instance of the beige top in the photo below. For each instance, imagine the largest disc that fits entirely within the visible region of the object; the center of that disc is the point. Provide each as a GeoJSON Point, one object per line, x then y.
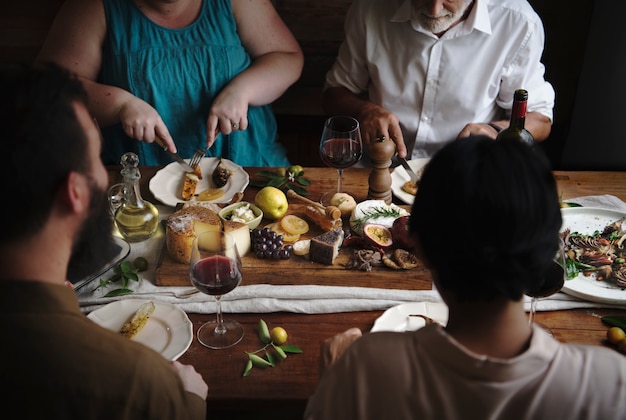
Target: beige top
{"type": "Point", "coordinates": [428, 375]}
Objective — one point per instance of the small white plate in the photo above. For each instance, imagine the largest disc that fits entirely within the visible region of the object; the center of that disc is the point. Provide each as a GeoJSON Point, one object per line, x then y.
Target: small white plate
{"type": "Point", "coordinates": [587, 220]}
{"type": "Point", "coordinates": [166, 184]}
{"type": "Point", "coordinates": [168, 331]}
{"type": "Point", "coordinates": [398, 318]}
{"type": "Point", "coordinates": [399, 177]}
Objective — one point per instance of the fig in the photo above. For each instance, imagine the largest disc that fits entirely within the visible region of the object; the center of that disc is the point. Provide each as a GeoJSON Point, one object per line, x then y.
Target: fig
{"type": "Point", "coordinates": [221, 174]}
{"type": "Point", "coordinates": [402, 238]}
{"type": "Point", "coordinates": [379, 235]}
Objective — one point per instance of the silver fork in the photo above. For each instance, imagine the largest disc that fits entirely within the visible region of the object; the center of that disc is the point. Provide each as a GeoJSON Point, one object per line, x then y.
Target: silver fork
{"type": "Point", "coordinates": [197, 157]}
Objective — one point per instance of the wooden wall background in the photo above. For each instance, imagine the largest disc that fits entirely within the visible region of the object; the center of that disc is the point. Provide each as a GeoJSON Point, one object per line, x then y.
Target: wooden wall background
{"type": "Point", "coordinates": [318, 26]}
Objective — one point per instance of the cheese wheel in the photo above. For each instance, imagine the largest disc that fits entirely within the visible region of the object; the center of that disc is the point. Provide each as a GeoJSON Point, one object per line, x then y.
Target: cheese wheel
{"type": "Point", "coordinates": [184, 225]}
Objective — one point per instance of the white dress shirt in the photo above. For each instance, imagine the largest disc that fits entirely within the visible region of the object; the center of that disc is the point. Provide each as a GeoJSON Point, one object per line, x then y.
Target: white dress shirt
{"type": "Point", "coordinates": [435, 86]}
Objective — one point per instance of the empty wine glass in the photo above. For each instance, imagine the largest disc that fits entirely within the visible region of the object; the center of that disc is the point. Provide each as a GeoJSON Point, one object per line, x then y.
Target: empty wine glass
{"type": "Point", "coordinates": [553, 280]}
{"type": "Point", "coordinates": [340, 144]}
{"type": "Point", "coordinates": [215, 269]}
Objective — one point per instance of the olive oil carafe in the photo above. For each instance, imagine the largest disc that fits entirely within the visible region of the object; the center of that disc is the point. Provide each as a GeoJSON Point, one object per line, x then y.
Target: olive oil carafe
{"type": "Point", "coordinates": [135, 218]}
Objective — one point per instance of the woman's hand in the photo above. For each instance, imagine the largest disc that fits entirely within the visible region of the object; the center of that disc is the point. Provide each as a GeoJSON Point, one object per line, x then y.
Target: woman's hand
{"type": "Point", "coordinates": [142, 122]}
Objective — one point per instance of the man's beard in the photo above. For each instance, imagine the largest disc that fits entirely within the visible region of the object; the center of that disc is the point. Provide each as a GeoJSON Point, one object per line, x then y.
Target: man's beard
{"type": "Point", "coordinates": [443, 22]}
{"type": "Point", "coordinates": [94, 245]}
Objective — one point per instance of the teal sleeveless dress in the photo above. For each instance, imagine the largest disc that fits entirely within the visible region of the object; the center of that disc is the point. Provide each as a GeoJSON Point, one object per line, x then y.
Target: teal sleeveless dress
{"type": "Point", "coordinates": [179, 72]}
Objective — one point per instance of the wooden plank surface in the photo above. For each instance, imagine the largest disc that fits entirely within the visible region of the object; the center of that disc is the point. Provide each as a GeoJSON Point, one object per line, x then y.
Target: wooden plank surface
{"type": "Point", "coordinates": [301, 271]}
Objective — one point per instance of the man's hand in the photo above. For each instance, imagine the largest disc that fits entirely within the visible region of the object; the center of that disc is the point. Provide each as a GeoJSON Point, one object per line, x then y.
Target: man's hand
{"type": "Point", "coordinates": [377, 122]}
{"type": "Point", "coordinates": [332, 348]}
{"type": "Point", "coordinates": [192, 380]}
{"type": "Point", "coordinates": [483, 129]}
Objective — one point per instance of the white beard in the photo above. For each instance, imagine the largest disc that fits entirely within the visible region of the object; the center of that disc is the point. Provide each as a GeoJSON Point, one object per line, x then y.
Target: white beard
{"type": "Point", "coordinates": [444, 21]}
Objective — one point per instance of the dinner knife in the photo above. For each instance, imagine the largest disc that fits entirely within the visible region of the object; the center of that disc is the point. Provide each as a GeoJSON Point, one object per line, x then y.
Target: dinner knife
{"type": "Point", "coordinates": [174, 156]}
{"type": "Point", "coordinates": [408, 169]}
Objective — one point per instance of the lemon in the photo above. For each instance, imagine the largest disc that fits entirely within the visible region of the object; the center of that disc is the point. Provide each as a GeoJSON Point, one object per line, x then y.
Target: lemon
{"type": "Point", "coordinates": [278, 335]}
{"type": "Point", "coordinates": [287, 237]}
{"type": "Point", "coordinates": [210, 194]}
{"type": "Point", "coordinates": [615, 335]}
{"type": "Point", "coordinates": [294, 224]}
{"type": "Point", "coordinates": [295, 170]}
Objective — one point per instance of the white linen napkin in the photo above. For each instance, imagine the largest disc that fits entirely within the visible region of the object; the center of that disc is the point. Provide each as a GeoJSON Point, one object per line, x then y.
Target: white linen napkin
{"type": "Point", "coordinates": [302, 299]}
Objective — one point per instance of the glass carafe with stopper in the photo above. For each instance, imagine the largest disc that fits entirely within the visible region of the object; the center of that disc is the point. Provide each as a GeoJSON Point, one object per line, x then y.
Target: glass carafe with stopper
{"type": "Point", "coordinates": [135, 218]}
{"type": "Point", "coordinates": [516, 130]}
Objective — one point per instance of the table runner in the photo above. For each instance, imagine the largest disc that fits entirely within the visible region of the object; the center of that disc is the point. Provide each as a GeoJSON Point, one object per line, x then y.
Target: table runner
{"type": "Point", "coordinates": [303, 299]}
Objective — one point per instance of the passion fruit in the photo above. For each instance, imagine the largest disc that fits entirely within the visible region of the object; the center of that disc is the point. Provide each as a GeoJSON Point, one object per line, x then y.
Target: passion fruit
{"type": "Point", "coordinates": [401, 235]}
{"type": "Point", "coordinates": [379, 235]}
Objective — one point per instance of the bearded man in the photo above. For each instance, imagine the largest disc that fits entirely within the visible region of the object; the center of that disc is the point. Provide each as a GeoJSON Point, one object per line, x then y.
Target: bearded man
{"type": "Point", "coordinates": [58, 363]}
{"type": "Point", "coordinates": [424, 72]}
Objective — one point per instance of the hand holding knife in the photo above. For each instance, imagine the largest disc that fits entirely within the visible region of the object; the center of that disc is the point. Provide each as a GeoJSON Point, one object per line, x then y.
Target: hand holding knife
{"type": "Point", "coordinates": [174, 156]}
{"type": "Point", "coordinates": [409, 170]}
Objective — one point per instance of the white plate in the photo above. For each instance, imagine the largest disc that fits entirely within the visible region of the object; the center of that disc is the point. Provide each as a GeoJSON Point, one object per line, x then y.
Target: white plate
{"type": "Point", "coordinates": [123, 251]}
{"type": "Point", "coordinates": [168, 331]}
{"type": "Point", "coordinates": [166, 184]}
{"type": "Point", "coordinates": [586, 220]}
{"type": "Point", "coordinates": [397, 318]}
{"type": "Point", "coordinates": [399, 177]}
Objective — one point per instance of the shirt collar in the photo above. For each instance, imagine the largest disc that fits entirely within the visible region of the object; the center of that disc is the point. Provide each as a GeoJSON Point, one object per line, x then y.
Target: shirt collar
{"type": "Point", "coordinates": [478, 18]}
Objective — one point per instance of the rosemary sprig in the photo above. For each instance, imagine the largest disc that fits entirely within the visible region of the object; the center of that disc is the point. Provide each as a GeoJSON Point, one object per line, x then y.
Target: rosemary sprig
{"type": "Point", "coordinates": [374, 213]}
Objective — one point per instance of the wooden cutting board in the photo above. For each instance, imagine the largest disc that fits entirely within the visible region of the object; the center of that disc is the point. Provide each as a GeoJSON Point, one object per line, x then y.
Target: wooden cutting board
{"type": "Point", "coordinates": [301, 271]}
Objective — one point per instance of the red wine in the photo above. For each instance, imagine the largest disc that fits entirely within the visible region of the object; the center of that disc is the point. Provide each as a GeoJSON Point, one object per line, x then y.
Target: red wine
{"type": "Point", "coordinates": [341, 153]}
{"type": "Point", "coordinates": [553, 280]}
{"type": "Point", "coordinates": [216, 275]}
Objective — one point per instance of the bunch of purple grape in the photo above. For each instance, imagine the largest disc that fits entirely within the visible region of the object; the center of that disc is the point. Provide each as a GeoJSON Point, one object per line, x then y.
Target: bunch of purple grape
{"type": "Point", "coordinates": [269, 245]}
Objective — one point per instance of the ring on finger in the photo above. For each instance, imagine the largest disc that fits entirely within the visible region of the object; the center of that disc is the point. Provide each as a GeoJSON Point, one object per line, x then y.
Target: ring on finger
{"type": "Point", "coordinates": [381, 138]}
{"type": "Point", "coordinates": [235, 126]}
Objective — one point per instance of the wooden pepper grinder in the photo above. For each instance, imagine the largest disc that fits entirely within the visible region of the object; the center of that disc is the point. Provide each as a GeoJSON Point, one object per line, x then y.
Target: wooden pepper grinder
{"type": "Point", "coordinates": [381, 151]}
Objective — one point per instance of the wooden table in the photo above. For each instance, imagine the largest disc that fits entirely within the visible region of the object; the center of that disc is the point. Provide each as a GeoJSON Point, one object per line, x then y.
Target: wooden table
{"type": "Point", "coordinates": [288, 385]}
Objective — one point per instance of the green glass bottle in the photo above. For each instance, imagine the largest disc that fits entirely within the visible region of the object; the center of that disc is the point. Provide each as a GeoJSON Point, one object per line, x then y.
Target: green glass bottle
{"type": "Point", "coordinates": [516, 130]}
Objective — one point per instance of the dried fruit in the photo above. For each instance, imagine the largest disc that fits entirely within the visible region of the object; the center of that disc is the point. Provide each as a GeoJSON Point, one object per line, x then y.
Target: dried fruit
{"type": "Point", "coordinates": [379, 235]}
{"type": "Point", "coordinates": [294, 224]}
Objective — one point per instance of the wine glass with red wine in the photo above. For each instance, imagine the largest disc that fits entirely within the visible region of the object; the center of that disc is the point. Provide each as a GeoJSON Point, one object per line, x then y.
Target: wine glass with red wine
{"type": "Point", "coordinates": [341, 145]}
{"type": "Point", "coordinates": [215, 269]}
{"type": "Point", "coordinates": [553, 281]}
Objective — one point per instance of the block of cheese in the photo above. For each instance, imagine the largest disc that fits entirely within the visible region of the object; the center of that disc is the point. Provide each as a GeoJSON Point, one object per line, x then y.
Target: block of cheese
{"type": "Point", "coordinates": [184, 225]}
{"type": "Point", "coordinates": [241, 233]}
{"type": "Point", "coordinates": [325, 248]}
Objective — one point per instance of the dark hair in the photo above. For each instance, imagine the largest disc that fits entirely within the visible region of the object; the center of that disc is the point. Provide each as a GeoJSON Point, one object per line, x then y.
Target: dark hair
{"type": "Point", "coordinates": [42, 142]}
{"type": "Point", "coordinates": [487, 216]}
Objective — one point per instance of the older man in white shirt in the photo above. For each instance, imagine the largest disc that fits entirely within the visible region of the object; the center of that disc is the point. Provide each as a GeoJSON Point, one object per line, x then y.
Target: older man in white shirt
{"type": "Point", "coordinates": [423, 72]}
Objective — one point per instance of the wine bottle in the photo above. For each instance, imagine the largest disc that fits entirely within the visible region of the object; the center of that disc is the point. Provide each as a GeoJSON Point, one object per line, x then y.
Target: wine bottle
{"type": "Point", "coordinates": [516, 130]}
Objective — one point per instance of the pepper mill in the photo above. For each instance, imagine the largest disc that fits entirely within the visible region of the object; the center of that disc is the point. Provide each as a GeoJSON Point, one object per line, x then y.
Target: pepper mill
{"type": "Point", "coordinates": [380, 150]}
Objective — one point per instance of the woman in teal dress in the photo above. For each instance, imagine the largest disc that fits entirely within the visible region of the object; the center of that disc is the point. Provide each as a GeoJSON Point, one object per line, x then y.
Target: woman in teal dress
{"type": "Point", "coordinates": [195, 73]}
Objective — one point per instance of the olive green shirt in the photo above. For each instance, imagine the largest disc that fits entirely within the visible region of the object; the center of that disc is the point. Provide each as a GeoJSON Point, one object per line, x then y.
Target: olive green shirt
{"type": "Point", "coordinates": [57, 364]}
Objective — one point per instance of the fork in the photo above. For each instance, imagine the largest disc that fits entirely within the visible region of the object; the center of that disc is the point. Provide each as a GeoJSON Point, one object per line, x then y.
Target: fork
{"type": "Point", "coordinates": [197, 157]}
